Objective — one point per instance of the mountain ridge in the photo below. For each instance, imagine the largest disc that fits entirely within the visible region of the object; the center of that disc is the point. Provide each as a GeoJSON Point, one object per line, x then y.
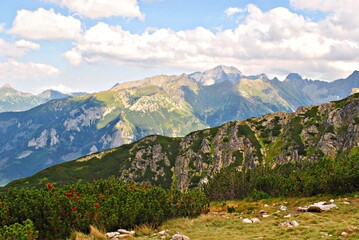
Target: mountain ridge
{"type": "Point", "coordinates": [329, 130]}
{"type": "Point", "coordinates": [171, 105]}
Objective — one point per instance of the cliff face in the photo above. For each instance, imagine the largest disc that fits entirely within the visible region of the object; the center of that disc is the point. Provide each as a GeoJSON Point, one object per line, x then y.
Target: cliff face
{"type": "Point", "coordinates": [329, 130]}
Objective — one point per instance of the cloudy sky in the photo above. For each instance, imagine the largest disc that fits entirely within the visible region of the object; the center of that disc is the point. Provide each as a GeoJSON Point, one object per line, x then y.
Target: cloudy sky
{"type": "Point", "coordinates": [90, 45]}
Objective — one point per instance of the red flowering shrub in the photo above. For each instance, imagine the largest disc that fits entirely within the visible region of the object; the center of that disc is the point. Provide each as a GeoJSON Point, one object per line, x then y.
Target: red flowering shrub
{"type": "Point", "coordinates": [49, 186]}
{"type": "Point", "coordinates": [111, 204]}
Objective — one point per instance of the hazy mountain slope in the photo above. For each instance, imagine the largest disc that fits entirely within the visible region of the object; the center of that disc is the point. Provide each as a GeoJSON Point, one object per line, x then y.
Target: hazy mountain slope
{"type": "Point", "coordinates": [12, 100]}
{"type": "Point", "coordinates": [64, 129]}
{"type": "Point", "coordinates": [329, 130]}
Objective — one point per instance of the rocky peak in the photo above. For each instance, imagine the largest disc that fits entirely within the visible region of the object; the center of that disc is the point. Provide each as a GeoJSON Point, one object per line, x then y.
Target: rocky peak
{"type": "Point", "coordinates": [293, 77]}
{"type": "Point", "coordinates": [354, 76]}
{"type": "Point", "coordinates": [217, 75]}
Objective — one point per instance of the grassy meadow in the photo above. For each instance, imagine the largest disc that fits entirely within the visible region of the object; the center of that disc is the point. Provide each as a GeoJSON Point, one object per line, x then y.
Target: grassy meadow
{"type": "Point", "coordinates": [219, 224]}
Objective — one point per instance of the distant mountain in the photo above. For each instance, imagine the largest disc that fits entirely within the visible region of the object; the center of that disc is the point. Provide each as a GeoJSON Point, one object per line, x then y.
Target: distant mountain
{"type": "Point", "coordinates": [52, 94]}
{"type": "Point", "coordinates": [65, 129]}
{"type": "Point", "coordinates": [329, 130]}
{"type": "Point", "coordinates": [217, 75]}
{"type": "Point", "coordinates": [12, 100]}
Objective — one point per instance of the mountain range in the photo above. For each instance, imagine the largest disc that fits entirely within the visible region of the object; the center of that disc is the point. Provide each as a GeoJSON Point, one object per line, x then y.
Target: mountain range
{"type": "Point", "coordinates": [66, 129]}
{"type": "Point", "coordinates": [326, 131]}
{"type": "Point", "coordinates": [12, 100]}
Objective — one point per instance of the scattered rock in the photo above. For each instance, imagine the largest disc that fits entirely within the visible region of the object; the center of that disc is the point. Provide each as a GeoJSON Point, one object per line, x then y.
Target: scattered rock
{"type": "Point", "coordinates": [331, 200]}
{"type": "Point", "coordinates": [290, 224]}
{"type": "Point", "coordinates": [124, 231]}
{"type": "Point", "coordinates": [255, 220]}
{"type": "Point", "coordinates": [324, 234]}
{"type": "Point", "coordinates": [266, 205]}
{"type": "Point", "coordinates": [246, 220]}
{"type": "Point", "coordinates": [162, 234]}
{"type": "Point", "coordinates": [294, 223]}
{"type": "Point", "coordinates": [121, 233]}
{"type": "Point", "coordinates": [346, 202]}
{"type": "Point", "coordinates": [344, 234]}
{"type": "Point", "coordinates": [283, 208]}
{"type": "Point", "coordinates": [317, 207]}
{"type": "Point", "coordinates": [287, 216]}
{"type": "Point", "coordinates": [112, 234]}
{"type": "Point", "coordinates": [178, 236]}
{"type": "Point", "coordinates": [351, 229]}
{"type": "Point", "coordinates": [261, 212]}
{"type": "Point", "coordinates": [265, 215]}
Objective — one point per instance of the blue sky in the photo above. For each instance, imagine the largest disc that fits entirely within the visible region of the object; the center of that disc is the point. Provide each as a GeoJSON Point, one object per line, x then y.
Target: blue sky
{"type": "Point", "coordinates": [90, 45]}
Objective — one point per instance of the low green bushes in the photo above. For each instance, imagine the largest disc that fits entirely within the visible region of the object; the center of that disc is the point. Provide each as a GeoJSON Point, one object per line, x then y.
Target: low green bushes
{"type": "Point", "coordinates": [109, 204]}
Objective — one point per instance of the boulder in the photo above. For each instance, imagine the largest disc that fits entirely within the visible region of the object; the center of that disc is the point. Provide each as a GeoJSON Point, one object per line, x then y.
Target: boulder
{"type": "Point", "coordinates": [283, 208]}
{"type": "Point", "coordinates": [124, 231]}
{"type": "Point", "coordinates": [246, 220]}
{"type": "Point", "coordinates": [294, 223]}
{"type": "Point", "coordinates": [178, 236]}
{"type": "Point", "coordinates": [265, 215]}
{"type": "Point", "coordinates": [255, 220]}
{"type": "Point", "coordinates": [112, 234]}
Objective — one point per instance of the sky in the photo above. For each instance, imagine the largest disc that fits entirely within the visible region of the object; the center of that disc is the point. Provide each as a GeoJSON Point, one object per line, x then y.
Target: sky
{"type": "Point", "coordinates": [90, 45]}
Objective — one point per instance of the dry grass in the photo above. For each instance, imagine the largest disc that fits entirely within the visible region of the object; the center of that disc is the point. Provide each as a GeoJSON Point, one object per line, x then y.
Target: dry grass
{"type": "Point", "coordinates": [218, 224]}
{"type": "Point", "coordinates": [144, 230]}
{"type": "Point", "coordinates": [95, 234]}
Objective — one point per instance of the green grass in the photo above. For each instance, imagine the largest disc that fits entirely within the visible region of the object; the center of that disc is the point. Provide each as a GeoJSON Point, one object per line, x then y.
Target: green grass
{"type": "Point", "coordinates": [218, 224]}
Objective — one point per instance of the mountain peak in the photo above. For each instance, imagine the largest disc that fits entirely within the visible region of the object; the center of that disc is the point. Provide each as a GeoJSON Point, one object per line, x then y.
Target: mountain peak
{"type": "Point", "coordinates": [354, 75]}
{"type": "Point", "coordinates": [217, 75]}
{"type": "Point", "coordinates": [226, 69]}
{"type": "Point", "coordinates": [294, 76]}
{"type": "Point", "coordinates": [7, 86]}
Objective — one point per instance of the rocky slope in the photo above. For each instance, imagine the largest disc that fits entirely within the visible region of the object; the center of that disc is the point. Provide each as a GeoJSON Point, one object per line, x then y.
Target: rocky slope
{"type": "Point", "coordinates": [329, 130]}
{"type": "Point", "coordinates": [65, 129]}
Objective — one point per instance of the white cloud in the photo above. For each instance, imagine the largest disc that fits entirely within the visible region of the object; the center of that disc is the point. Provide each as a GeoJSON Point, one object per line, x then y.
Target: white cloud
{"type": "Point", "coordinates": [10, 50]}
{"type": "Point", "coordinates": [344, 12]}
{"type": "Point", "coordinates": [60, 87]}
{"type": "Point", "coordinates": [17, 49]}
{"type": "Point", "coordinates": [2, 26]}
{"type": "Point", "coordinates": [233, 10]}
{"type": "Point", "coordinates": [274, 42]}
{"type": "Point", "coordinates": [102, 8]}
{"type": "Point", "coordinates": [45, 25]}
{"type": "Point", "coordinates": [14, 70]}
{"type": "Point", "coordinates": [27, 45]}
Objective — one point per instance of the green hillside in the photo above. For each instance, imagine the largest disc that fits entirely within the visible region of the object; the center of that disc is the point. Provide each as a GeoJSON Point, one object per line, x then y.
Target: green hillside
{"type": "Point", "coordinates": [327, 131]}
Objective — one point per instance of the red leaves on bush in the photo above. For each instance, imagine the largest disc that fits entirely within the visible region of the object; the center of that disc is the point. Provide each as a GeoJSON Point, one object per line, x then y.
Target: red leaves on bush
{"type": "Point", "coordinates": [100, 196]}
{"type": "Point", "coordinates": [68, 194]}
{"type": "Point", "coordinates": [49, 186]}
{"type": "Point", "coordinates": [2, 203]}
{"type": "Point", "coordinates": [74, 209]}
{"type": "Point", "coordinates": [97, 205]}
{"type": "Point", "coordinates": [131, 187]}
